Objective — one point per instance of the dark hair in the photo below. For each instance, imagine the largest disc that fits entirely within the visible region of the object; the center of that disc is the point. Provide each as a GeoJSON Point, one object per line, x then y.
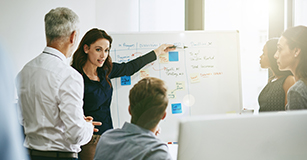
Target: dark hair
{"type": "Point", "coordinates": [80, 57]}
{"type": "Point", "coordinates": [271, 46]}
{"type": "Point", "coordinates": [297, 38]}
{"type": "Point", "coordinates": [148, 101]}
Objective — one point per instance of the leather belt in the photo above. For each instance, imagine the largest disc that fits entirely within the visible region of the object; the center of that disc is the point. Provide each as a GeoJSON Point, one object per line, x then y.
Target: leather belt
{"type": "Point", "coordinates": [53, 154]}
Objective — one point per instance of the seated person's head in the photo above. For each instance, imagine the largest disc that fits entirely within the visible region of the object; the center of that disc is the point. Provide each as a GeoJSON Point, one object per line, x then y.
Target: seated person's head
{"type": "Point", "coordinates": [148, 102]}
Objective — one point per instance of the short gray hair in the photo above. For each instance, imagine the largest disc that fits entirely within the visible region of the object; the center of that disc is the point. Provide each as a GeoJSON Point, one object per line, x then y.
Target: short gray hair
{"type": "Point", "coordinates": [60, 22]}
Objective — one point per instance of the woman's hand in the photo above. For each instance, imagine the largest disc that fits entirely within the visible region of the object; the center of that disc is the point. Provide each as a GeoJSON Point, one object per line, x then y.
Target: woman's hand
{"type": "Point", "coordinates": [164, 48]}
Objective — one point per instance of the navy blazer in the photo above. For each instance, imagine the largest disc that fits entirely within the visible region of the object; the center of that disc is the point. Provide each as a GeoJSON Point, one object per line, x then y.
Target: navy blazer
{"type": "Point", "coordinates": [98, 94]}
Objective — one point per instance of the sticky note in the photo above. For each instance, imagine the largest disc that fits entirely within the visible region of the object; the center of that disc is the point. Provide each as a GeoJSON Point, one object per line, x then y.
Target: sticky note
{"type": "Point", "coordinates": [180, 86]}
{"type": "Point", "coordinates": [173, 56]}
{"type": "Point", "coordinates": [163, 58]}
{"type": "Point", "coordinates": [125, 80]}
{"type": "Point", "coordinates": [194, 77]}
{"type": "Point", "coordinates": [144, 73]}
{"type": "Point", "coordinates": [171, 94]}
{"type": "Point", "coordinates": [176, 108]}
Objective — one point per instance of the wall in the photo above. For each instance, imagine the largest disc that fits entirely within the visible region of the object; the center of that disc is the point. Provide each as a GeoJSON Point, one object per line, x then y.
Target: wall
{"type": "Point", "coordinates": [22, 26]}
{"type": "Point", "coordinates": [140, 15]}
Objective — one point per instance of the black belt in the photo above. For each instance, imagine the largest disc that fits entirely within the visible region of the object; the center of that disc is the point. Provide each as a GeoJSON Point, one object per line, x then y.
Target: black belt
{"type": "Point", "coordinates": [53, 154]}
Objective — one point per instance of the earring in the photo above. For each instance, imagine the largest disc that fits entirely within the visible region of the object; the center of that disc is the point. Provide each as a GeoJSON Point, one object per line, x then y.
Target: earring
{"type": "Point", "coordinates": [296, 54]}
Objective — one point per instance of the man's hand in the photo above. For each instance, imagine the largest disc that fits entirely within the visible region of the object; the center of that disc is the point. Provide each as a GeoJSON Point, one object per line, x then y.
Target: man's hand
{"type": "Point", "coordinates": [95, 123]}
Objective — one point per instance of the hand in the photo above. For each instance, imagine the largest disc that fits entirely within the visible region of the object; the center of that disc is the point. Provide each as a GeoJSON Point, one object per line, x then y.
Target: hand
{"type": "Point", "coordinates": [95, 123]}
{"type": "Point", "coordinates": [164, 48]}
{"type": "Point", "coordinates": [88, 118]}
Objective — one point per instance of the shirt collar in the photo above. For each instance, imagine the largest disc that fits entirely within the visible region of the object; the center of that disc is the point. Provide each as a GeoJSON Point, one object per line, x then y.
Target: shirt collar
{"type": "Point", "coordinates": [132, 128]}
{"type": "Point", "coordinates": [55, 52]}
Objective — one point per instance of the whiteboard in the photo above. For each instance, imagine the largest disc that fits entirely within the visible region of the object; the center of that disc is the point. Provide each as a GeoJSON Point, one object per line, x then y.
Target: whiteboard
{"type": "Point", "coordinates": [203, 79]}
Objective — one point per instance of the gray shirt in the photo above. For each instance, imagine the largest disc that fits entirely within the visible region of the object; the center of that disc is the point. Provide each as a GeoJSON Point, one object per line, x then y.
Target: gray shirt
{"type": "Point", "coordinates": [131, 142]}
{"type": "Point", "coordinates": [297, 96]}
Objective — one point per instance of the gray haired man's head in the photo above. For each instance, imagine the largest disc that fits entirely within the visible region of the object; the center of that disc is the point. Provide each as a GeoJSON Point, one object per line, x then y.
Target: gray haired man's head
{"type": "Point", "coordinates": [60, 23]}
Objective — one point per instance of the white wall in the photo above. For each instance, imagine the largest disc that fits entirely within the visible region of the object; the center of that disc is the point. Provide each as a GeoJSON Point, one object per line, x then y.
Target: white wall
{"type": "Point", "coordinates": [117, 15]}
{"type": "Point", "coordinates": [162, 15]}
{"type": "Point", "coordinates": [22, 31]}
{"type": "Point", "coordinates": [140, 15]}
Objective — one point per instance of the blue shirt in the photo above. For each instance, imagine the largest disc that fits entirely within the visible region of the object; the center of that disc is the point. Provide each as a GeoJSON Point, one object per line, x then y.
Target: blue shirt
{"type": "Point", "coordinates": [131, 142]}
{"type": "Point", "coordinates": [98, 94]}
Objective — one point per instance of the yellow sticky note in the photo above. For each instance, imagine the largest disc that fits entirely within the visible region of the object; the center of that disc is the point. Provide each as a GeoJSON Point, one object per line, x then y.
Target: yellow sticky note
{"type": "Point", "coordinates": [180, 86]}
{"type": "Point", "coordinates": [144, 73]}
{"type": "Point", "coordinates": [171, 94]}
{"type": "Point", "coordinates": [163, 58]}
{"type": "Point", "coordinates": [194, 77]}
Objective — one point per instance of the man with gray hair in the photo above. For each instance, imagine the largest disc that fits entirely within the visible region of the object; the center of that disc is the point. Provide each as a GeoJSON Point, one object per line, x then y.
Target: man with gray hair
{"type": "Point", "coordinates": [50, 94]}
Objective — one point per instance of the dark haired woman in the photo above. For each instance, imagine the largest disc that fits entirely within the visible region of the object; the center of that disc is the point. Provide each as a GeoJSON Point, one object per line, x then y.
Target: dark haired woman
{"type": "Point", "coordinates": [292, 55]}
{"type": "Point", "coordinates": [273, 97]}
{"type": "Point", "coordinates": [93, 61]}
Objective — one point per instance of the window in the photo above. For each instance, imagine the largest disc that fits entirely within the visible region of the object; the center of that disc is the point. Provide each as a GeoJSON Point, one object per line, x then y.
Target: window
{"type": "Point", "coordinates": [251, 19]}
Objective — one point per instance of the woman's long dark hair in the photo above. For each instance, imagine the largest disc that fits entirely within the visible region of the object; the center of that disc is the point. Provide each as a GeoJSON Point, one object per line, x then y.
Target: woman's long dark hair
{"type": "Point", "coordinates": [80, 57]}
{"type": "Point", "coordinates": [271, 46]}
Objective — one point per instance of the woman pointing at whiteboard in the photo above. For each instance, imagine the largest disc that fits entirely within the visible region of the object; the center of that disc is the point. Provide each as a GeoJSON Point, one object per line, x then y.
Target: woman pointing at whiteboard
{"type": "Point", "coordinates": [93, 61]}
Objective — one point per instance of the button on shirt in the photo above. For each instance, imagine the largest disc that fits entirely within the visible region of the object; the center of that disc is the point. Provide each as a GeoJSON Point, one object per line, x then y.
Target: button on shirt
{"type": "Point", "coordinates": [50, 94]}
{"type": "Point", "coordinates": [131, 142]}
{"type": "Point", "coordinates": [98, 94]}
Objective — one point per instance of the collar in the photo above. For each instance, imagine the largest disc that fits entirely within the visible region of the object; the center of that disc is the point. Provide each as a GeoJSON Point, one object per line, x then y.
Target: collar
{"type": "Point", "coordinates": [132, 128]}
{"type": "Point", "coordinates": [55, 52]}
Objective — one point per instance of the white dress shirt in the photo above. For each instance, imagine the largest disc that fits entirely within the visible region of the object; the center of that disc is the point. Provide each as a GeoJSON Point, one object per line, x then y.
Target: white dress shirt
{"type": "Point", "coordinates": [50, 96]}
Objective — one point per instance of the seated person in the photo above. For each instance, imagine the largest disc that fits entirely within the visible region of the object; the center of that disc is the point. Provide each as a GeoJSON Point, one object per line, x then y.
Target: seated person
{"type": "Point", "coordinates": [137, 140]}
{"type": "Point", "coordinates": [292, 55]}
{"type": "Point", "coordinates": [273, 96]}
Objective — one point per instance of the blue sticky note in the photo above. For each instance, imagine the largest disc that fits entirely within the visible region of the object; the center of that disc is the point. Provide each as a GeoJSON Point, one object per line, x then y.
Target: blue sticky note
{"type": "Point", "coordinates": [125, 80]}
{"type": "Point", "coordinates": [173, 56]}
{"type": "Point", "coordinates": [176, 108]}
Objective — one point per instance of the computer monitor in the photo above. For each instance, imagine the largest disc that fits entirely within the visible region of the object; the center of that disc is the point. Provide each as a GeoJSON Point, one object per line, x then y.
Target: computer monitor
{"type": "Point", "coordinates": [267, 136]}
